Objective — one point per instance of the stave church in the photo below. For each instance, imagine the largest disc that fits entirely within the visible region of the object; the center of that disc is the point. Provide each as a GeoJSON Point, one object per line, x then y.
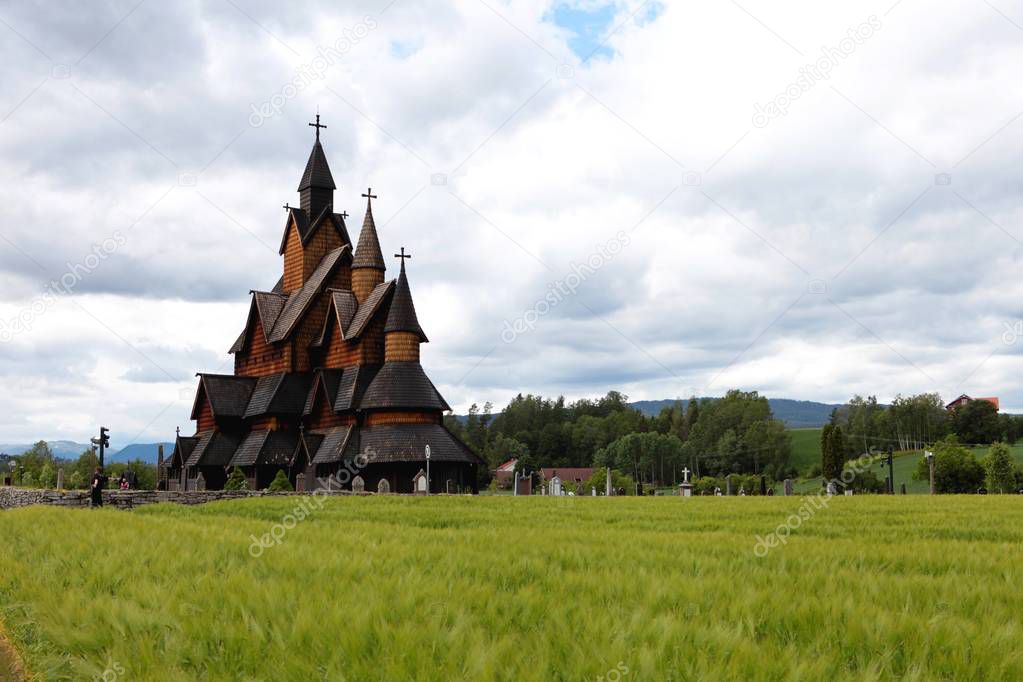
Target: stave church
{"type": "Point", "coordinates": [327, 383]}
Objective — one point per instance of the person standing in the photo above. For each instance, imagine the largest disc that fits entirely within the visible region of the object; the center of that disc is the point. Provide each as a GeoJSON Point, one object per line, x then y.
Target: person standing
{"type": "Point", "coordinates": [99, 482]}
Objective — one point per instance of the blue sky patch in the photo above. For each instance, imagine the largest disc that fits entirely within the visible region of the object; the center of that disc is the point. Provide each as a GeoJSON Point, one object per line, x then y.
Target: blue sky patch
{"type": "Point", "coordinates": [589, 26]}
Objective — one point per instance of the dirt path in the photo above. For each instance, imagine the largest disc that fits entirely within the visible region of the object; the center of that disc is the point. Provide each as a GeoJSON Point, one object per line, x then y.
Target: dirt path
{"type": "Point", "coordinates": [11, 666]}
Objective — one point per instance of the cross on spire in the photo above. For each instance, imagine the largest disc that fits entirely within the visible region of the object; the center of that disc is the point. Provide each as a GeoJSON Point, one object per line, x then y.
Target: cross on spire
{"type": "Point", "coordinates": [369, 193]}
{"type": "Point", "coordinates": [287, 207]}
{"type": "Point", "coordinates": [344, 215]}
{"type": "Point", "coordinates": [402, 256]}
{"type": "Point", "coordinates": [317, 126]}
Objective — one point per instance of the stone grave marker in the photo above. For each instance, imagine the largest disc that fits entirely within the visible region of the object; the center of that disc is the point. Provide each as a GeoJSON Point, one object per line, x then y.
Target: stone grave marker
{"type": "Point", "coordinates": [358, 485]}
{"type": "Point", "coordinates": [383, 487]}
{"type": "Point", "coordinates": [788, 487]}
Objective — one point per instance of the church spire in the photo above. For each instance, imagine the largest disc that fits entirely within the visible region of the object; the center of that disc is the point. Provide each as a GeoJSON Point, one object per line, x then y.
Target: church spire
{"type": "Point", "coordinates": [368, 263]}
{"type": "Point", "coordinates": [402, 315]}
{"type": "Point", "coordinates": [317, 186]}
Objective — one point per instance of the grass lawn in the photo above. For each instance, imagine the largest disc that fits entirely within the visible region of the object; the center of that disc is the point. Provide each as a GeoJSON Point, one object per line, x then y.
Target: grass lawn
{"type": "Point", "coordinates": [806, 448]}
{"type": "Point", "coordinates": [520, 588]}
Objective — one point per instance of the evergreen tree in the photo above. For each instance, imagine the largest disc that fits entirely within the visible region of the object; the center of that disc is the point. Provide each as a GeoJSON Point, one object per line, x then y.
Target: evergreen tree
{"type": "Point", "coordinates": [280, 484]}
{"type": "Point", "coordinates": [237, 481]}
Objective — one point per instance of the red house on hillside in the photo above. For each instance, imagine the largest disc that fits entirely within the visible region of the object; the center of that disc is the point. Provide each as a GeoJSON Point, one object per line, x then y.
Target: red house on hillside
{"type": "Point", "coordinates": [963, 399]}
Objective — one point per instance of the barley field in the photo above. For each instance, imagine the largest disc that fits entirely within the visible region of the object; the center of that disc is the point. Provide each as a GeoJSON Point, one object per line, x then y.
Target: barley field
{"type": "Point", "coordinates": [621, 589]}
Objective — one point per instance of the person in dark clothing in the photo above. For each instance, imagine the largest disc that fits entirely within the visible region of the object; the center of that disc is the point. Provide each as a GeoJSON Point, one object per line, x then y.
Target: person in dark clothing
{"type": "Point", "coordinates": [99, 482]}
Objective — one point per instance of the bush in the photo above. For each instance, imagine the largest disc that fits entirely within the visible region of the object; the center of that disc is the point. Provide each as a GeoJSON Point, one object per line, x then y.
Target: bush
{"type": "Point", "coordinates": [237, 481]}
{"type": "Point", "coordinates": [618, 481]}
{"type": "Point", "coordinates": [1001, 472]}
{"type": "Point", "coordinates": [863, 482]}
{"type": "Point", "coordinates": [814, 471]}
{"type": "Point", "coordinates": [956, 470]}
{"type": "Point", "coordinates": [280, 484]}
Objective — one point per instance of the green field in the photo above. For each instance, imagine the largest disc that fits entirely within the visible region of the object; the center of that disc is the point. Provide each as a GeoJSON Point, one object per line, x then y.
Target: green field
{"type": "Point", "coordinates": [806, 448]}
{"type": "Point", "coordinates": [870, 587]}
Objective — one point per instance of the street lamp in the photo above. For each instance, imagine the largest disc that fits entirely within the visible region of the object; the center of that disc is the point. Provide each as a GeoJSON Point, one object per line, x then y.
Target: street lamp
{"type": "Point", "coordinates": [427, 469]}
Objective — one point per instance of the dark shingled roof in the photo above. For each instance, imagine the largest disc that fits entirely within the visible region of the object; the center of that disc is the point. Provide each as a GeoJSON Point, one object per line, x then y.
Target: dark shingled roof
{"type": "Point", "coordinates": [368, 309]}
{"type": "Point", "coordinates": [279, 287]}
{"type": "Point", "coordinates": [401, 317]}
{"type": "Point", "coordinates": [341, 311]}
{"type": "Point", "coordinates": [280, 394]}
{"type": "Point", "coordinates": [215, 448]}
{"type": "Point", "coordinates": [183, 447]}
{"type": "Point", "coordinates": [228, 394]}
{"type": "Point", "coordinates": [353, 385]}
{"type": "Point", "coordinates": [300, 301]}
{"type": "Point", "coordinates": [266, 447]}
{"type": "Point", "coordinates": [311, 442]}
{"type": "Point", "coordinates": [317, 172]}
{"type": "Point", "coordinates": [307, 228]}
{"type": "Point", "coordinates": [367, 253]}
{"type": "Point", "coordinates": [407, 443]}
{"type": "Point", "coordinates": [402, 385]}
{"type": "Point", "coordinates": [326, 382]}
{"type": "Point", "coordinates": [268, 305]}
{"type": "Point", "coordinates": [332, 447]}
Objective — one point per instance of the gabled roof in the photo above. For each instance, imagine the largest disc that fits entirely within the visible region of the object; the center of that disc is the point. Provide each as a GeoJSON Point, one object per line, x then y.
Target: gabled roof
{"type": "Point", "coordinates": [567, 473]}
{"type": "Point", "coordinates": [279, 394]}
{"type": "Point", "coordinates": [266, 447]}
{"type": "Point", "coordinates": [367, 253]}
{"type": "Point", "coordinates": [352, 386]}
{"type": "Point", "coordinates": [183, 447]}
{"type": "Point", "coordinates": [402, 385]}
{"type": "Point", "coordinates": [299, 301]}
{"type": "Point", "coordinates": [333, 444]}
{"type": "Point", "coordinates": [228, 394]}
{"type": "Point", "coordinates": [401, 316]}
{"type": "Point", "coordinates": [325, 383]}
{"type": "Point", "coordinates": [311, 443]}
{"type": "Point", "coordinates": [341, 311]}
{"type": "Point", "coordinates": [317, 172]}
{"type": "Point", "coordinates": [368, 309]}
{"type": "Point", "coordinates": [214, 448]}
{"type": "Point", "coordinates": [407, 443]}
{"type": "Point", "coordinates": [307, 228]}
{"type": "Point", "coordinates": [268, 306]}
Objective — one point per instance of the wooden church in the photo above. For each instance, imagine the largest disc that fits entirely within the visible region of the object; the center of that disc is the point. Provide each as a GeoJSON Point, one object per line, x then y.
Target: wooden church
{"type": "Point", "coordinates": [327, 384]}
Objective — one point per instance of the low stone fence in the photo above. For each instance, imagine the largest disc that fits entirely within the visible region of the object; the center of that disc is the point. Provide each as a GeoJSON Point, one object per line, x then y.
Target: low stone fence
{"type": "Point", "coordinates": [128, 499]}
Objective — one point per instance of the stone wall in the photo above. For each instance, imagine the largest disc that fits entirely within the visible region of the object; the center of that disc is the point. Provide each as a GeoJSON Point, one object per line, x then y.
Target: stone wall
{"type": "Point", "coordinates": [128, 499]}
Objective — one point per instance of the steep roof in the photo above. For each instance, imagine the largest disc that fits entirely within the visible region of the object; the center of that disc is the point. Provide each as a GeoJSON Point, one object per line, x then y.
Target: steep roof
{"type": "Point", "coordinates": [324, 382]}
{"type": "Point", "coordinates": [340, 311]}
{"type": "Point", "coordinates": [317, 172]}
{"type": "Point", "coordinates": [268, 306]}
{"type": "Point", "coordinates": [368, 309]}
{"type": "Point", "coordinates": [333, 444]}
{"type": "Point", "coordinates": [352, 386]}
{"type": "Point", "coordinates": [266, 447]}
{"type": "Point", "coordinates": [407, 443]}
{"type": "Point", "coordinates": [402, 385]}
{"type": "Point", "coordinates": [299, 301]}
{"type": "Point", "coordinates": [183, 447]}
{"type": "Point", "coordinates": [281, 394]}
{"type": "Point", "coordinates": [214, 448]}
{"type": "Point", "coordinates": [307, 228]}
{"type": "Point", "coordinates": [367, 253]}
{"type": "Point", "coordinates": [228, 394]}
{"type": "Point", "coordinates": [401, 317]}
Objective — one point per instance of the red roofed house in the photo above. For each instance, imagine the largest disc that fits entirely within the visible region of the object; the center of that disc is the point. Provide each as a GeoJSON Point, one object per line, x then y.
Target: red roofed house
{"type": "Point", "coordinates": [565, 478]}
{"type": "Point", "coordinates": [963, 399]}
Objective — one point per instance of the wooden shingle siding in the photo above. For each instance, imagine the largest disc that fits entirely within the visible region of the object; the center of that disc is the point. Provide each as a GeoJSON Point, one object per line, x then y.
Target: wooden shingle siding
{"type": "Point", "coordinates": [205, 422]}
{"type": "Point", "coordinates": [401, 347]}
{"type": "Point", "coordinates": [259, 358]}
{"type": "Point", "coordinates": [294, 273]}
{"type": "Point", "coordinates": [323, 241]}
{"type": "Point", "coordinates": [375, 418]}
{"type": "Point", "coordinates": [364, 280]}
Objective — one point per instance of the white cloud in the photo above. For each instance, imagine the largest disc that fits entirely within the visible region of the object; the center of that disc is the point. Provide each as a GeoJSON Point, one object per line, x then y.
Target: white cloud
{"type": "Point", "coordinates": [729, 223]}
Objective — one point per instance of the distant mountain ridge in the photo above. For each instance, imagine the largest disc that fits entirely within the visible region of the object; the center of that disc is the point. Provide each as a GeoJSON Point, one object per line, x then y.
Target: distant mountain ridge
{"type": "Point", "coordinates": [69, 449]}
{"type": "Point", "coordinates": [797, 414]}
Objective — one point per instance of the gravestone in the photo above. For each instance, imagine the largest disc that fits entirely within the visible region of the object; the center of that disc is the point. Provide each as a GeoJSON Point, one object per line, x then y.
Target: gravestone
{"type": "Point", "coordinates": [358, 485]}
{"type": "Point", "coordinates": [728, 486]}
{"type": "Point", "coordinates": [742, 491]}
{"type": "Point", "coordinates": [60, 478]}
{"type": "Point", "coordinates": [593, 491]}
{"type": "Point", "coordinates": [982, 491]}
{"type": "Point", "coordinates": [383, 487]}
{"type": "Point", "coordinates": [717, 491]}
{"type": "Point", "coordinates": [832, 490]}
{"type": "Point", "coordinates": [300, 483]}
{"type": "Point", "coordinates": [903, 488]}
{"type": "Point", "coordinates": [200, 482]}
{"type": "Point", "coordinates": [555, 486]}
{"type": "Point", "coordinates": [770, 492]}
{"type": "Point", "coordinates": [451, 488]}
{"type": "Point", "coordinates": [848, 492]}
{"type": "Point", "coordinates": [685, 488]}
{"type": "Point", "coordinates": [788, 487]}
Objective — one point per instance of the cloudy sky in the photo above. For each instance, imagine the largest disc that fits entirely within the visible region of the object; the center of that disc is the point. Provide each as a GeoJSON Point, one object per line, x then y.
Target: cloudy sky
{"type": "Point", "coordinates": [807, 199]}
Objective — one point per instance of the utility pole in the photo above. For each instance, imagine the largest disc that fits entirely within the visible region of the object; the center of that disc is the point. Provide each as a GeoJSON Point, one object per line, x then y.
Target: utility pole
{"type": "Point", "coordinates": [929, 456]}
{"type": "Point", "coordinates": [891, 471]}
{"type": "Point", "coordinates": [103, 442]}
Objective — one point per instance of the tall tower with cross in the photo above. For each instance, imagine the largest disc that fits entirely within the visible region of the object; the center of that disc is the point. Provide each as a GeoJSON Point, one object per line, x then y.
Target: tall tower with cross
{"type": "Point", "coordinates": [368, 266]}
{"type": "Point", "coordinates": [316, 189]}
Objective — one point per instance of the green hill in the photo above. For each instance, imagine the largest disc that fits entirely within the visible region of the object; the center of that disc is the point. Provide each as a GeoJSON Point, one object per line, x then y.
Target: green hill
{"type": "Point", "coordinates": [806, 449]}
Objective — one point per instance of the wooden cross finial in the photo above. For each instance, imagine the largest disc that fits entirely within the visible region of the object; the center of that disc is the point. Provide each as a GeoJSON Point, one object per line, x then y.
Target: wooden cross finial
{"type": "Point", "coordinates": [317, 126]}
{"type": "Point", "coordinates": [369, 193]}
{"type": "Point", "coordinates": [287, 207]}
{"type": "Point", "coordinates": [344, 215]}
{"type": "Point", "coordinates": [402, 256]}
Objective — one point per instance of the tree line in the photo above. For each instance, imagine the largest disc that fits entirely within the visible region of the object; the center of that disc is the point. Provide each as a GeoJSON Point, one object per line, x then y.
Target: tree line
{"type": "Point", "coordinates": [38, 466]}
